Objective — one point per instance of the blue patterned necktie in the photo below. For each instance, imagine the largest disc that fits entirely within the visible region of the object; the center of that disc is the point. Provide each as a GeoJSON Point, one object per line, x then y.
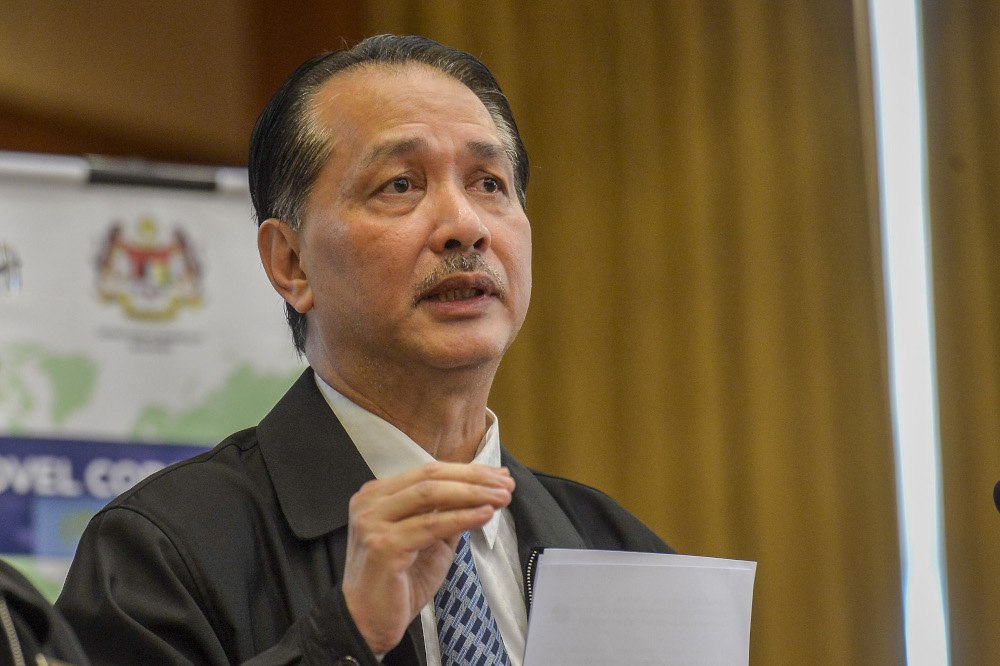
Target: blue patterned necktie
{"type": "Point", "coordinates": [466, 628]}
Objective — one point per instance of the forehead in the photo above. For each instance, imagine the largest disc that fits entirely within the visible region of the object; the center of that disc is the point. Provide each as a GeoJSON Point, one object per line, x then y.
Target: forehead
{"type": "Point", "coordinates": [371, 101]}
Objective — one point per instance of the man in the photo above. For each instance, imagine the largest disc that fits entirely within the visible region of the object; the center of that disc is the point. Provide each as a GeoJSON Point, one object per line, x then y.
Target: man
{"type": "Point", "coordinates": [388, 182]}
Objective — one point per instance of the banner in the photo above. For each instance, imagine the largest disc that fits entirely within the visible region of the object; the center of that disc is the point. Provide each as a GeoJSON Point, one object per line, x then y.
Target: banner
{"type": "Point", "coordinates": [49, 489]}
{"type": "Point", "coordinates": [137, 327]}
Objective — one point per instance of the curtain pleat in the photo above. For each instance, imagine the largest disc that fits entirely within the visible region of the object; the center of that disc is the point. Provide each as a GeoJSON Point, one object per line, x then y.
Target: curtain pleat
{"type": "Point", "coordinates": [962, 56]}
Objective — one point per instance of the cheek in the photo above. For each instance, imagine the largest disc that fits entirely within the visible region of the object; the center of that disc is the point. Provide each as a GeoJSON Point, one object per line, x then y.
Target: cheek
{"type": "Point", "coordinates": [520, 249]}
{"type": "Point", "coordinates": [381, 266]}
{"type": "Point", "coordinates": [522, 263]}
{"type": "Point", "coordinates": [517, 262]}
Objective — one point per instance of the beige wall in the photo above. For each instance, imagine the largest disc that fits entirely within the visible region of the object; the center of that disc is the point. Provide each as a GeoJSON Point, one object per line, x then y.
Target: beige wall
{"type": "Point", "coordinates": [152, 78]}
{"type": "Point", "coordinates": [171, 75]}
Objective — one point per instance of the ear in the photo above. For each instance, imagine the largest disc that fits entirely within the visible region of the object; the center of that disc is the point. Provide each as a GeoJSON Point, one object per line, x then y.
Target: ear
{"type": "Point", "coordinates": [280, 253]}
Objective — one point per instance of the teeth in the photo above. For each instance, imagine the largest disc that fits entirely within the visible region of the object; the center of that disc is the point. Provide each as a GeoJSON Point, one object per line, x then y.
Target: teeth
{"type": "Point", "coordinates": [454, 295]}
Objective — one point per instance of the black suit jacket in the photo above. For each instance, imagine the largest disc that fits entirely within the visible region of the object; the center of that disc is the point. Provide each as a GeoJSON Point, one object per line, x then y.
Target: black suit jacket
{"type": "Point", "coordinates": [236, 555]}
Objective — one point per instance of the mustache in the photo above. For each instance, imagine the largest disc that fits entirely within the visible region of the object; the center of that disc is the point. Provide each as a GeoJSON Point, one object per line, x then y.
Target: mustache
{"type": "Point", "coordinates": [460, 263]}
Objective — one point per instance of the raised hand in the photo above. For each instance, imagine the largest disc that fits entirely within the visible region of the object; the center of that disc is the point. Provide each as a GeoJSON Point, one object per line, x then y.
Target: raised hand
{"type": "Point", "coordinates": [401, 540]}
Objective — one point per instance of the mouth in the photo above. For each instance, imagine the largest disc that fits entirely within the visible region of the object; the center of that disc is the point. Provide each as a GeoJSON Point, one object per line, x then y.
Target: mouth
{"type": "Point", "coordinates": [454, 295]}
{"type": "Point", "coordinates": [461, 287]}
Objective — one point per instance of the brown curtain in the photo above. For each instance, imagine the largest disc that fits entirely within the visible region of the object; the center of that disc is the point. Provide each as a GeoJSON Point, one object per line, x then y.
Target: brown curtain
{"type": "Point", "coordinates": [706, 335]}
{"type": "Point", "coordinates": [962, 56]}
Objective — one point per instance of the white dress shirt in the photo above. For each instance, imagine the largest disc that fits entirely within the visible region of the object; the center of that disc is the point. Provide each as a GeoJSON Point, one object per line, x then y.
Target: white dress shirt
{"type": "Point", "coordinates": [388, 451]}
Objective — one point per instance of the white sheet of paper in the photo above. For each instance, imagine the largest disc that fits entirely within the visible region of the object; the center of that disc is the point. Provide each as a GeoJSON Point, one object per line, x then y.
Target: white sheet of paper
{"type": "Point", "coordinates": [644, 609]}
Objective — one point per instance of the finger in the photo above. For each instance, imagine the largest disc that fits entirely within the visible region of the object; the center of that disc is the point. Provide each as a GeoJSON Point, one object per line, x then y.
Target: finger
{"type": "Point", "coordinates": [434, 495]}
{"type": "Point", "coordinates": [422, 531]}
{"type": "Point", "coordinates": [377, 496]}
{"type": "Point", "coordinates": [484, 475]}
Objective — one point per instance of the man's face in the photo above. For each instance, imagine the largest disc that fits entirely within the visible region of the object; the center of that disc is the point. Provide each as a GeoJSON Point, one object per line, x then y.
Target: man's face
{"type": "Point", "coordinates": [415, 246]}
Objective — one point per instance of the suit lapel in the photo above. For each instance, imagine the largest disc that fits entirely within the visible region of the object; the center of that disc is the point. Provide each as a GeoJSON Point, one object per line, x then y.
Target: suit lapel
{"type": "Point", "coordinates": [313, 464]}
{"type": "Point", "coordinates": [538, 519]}
{"type": "Point", "coordinates": [315, 469]}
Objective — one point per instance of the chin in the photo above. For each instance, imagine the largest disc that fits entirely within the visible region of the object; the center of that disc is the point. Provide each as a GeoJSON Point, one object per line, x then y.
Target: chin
{"type": "Point", "coordinates": [467, 361]}
{"type": "Point", "coordinates": [458, 356]}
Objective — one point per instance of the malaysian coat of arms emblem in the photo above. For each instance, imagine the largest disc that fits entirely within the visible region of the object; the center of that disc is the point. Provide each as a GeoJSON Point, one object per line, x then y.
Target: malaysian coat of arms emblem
{"type": "Point", "coordinates": [149, 277]}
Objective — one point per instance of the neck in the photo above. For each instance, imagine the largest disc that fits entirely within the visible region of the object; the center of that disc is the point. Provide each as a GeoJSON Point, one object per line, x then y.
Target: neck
{"type": "Point", "coordinates": [444, 411]}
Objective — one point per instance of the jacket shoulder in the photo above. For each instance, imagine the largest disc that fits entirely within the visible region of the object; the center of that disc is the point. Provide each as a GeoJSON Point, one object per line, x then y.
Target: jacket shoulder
{"type": "Point", "coordinates": [230, 463]}
{"type": "Point", "coordinates": [206, 499]}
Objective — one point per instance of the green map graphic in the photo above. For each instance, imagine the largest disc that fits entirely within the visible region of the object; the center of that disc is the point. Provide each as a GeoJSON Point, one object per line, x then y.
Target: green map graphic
{"type": "Point", "coordinates": [71, 379]}
{"type": "Point", "coordinates": [239, 399]}
{"type": "Point", "coordinates": [240, 402]}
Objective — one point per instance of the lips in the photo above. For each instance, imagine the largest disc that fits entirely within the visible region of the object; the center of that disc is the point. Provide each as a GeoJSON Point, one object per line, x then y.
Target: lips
{"type": "Point", "coordinates": [454, 295]}
{"type": "Point", "coordinates": [460, 287]}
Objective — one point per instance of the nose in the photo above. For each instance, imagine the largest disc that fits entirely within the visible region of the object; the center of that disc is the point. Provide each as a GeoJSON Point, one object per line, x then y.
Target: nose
{"type": "Point", "coordinates": [458, 224]}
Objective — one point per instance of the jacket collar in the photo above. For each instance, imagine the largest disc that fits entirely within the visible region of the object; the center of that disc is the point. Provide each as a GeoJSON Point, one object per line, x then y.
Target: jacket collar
{"type": "Point", "coordinates": [315, 469]}
{"type": "Point", "coordinates": [313, 464]}
{"type": "Point", "coordinates": [540, 521]}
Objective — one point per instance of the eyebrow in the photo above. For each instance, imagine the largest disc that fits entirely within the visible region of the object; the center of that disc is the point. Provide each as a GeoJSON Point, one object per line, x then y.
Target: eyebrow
{"type": "Point", "coordinates": [487, 151]}
{"type": "Point", "coordinates": [391, 150]}
{"type": "Point", "coordinates": [394, 149]}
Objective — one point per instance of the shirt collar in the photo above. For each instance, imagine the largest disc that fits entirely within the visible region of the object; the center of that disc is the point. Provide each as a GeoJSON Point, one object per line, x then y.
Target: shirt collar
{"type": "Point", "coordinates": [389, 451]}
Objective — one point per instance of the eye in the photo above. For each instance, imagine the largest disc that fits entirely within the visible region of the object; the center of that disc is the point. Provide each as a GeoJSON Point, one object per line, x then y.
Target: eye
{"type": "Point", "coordinates": [491, 185]}
{"type": "Point", "coordinates": [399, 185]}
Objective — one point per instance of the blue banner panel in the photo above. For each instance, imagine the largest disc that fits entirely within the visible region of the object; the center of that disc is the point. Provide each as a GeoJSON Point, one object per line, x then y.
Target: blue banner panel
{"type": "Point", "coordinates": [51, 488]}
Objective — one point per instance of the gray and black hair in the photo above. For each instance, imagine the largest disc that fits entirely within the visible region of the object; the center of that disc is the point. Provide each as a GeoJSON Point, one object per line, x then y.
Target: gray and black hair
{"type": "Point", "coordinates": [288, 148]}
